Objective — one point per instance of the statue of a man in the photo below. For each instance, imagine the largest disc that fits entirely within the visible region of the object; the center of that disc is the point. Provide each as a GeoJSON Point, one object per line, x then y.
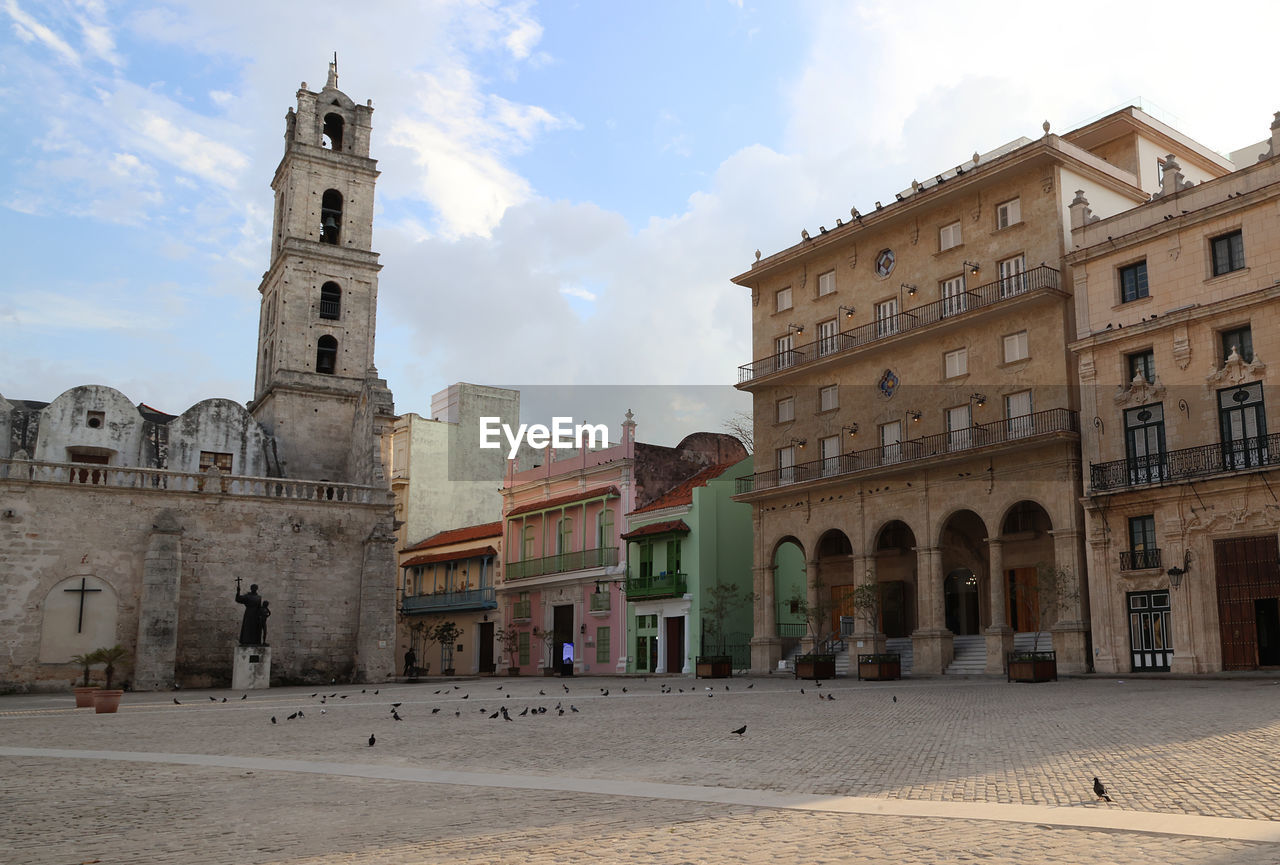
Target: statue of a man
{"type": "Point", "coordinates": [251, 624]}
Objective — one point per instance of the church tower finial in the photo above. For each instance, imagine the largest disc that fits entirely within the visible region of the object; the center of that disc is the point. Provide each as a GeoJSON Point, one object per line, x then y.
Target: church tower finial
{"type": "Point", "coordinates": [332, 83]}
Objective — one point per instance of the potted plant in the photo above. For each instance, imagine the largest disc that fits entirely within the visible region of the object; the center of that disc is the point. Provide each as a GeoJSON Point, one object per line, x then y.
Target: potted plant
{"type": "Point", "coordinates": [722, 600]}
{"type": "Point", "coordinates": [819, 662]}
{"type": "Point", "coordinates": [107, 699]}
{"type": "Point", "coordinates": [446, 633]}
{"type": "Point", "coordinates": [548, 641]}
{"type": "Point", "coordinates": [1053, 586]}
{"type": "Point", "coordinates": [875, 665]}
{"type": "Point", "coordinates": [509, 640]}
{"type": "Point", "coordinates": [84, 693]}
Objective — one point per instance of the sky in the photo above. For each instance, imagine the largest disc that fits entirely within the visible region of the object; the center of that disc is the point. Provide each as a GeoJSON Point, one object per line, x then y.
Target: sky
{"type": "Point", "coordinates": [566, 188]}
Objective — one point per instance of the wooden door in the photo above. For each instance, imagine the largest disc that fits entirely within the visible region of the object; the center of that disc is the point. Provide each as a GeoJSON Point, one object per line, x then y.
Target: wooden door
{"type": "Point", "coordinates": [675, 644]}
{"type": "Point", "coordinates": [1246, 570]}
{"type": "Point", "coordinates": [1022, 602]}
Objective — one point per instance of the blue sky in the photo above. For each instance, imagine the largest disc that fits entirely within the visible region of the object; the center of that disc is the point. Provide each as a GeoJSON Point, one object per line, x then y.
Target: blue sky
{"type": "Point", "coordinates": [566, 188]}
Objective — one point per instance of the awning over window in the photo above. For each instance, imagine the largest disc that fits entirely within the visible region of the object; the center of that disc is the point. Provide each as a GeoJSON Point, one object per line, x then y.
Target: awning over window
{"type": "Point", "coordinates": [665, 528]}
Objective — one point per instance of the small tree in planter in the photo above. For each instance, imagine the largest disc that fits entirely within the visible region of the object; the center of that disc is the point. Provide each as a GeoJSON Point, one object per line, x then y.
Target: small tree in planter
{"type": "Point", "coordinates": [548, 641]}
{"type": "Point", "coordinates": [817, 663]}
{"type": "Point", "coordinates": [1054, 587]}
{"type": "Point", "coordinates": [446, 633]}
{"type": "Point", "coordinates": [868, 600]}
{"type": "Point", "coordinates": [84, 693]}
{"type": "Point", "coordinates": [722, 601]}
{"type": "Point", "coordinates": [509, 640]}
{"type": "Point", "coordinates": [107, 699]}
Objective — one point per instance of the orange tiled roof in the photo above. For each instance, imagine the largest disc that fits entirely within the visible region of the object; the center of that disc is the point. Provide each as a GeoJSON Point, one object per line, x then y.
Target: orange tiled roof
{"type": "Point", "coordinates": [566, 499]}
{"type": "Point", "coordinates": [449, 557]}
{"type": "Point", "coordinates": [662, 528]}
{"type": "Point", "coordinates": [682, 493]}
{"type": "Point", "coordinates": [457, 536]}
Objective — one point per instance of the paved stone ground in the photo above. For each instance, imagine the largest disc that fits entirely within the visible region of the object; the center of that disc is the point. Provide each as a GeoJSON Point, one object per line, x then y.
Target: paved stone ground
{"type": "Point", "coordinates": [1208, 748]}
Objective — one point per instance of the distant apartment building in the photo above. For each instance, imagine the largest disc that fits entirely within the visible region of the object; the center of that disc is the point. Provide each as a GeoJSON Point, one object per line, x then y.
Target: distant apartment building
{"type": "Point", "coordinates": [917, 424]}
{"type": "Point", "coordinates": [562, 584]}
{"type": "Point", "coordinates": [1177, 303]}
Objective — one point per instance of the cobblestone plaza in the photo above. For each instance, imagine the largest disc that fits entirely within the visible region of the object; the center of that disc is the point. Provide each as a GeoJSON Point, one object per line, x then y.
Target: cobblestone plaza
{"type": "Point", "coordinates": [973, 770]}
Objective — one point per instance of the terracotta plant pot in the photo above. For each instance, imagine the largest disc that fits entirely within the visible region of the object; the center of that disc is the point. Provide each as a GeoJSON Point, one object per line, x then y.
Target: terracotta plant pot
{"type": "Point", "coordinates": [84, 697]}
{"type": "Point", "coordinates": [713, 667]}
{"type": "Point", "coordinates": [107, 701]}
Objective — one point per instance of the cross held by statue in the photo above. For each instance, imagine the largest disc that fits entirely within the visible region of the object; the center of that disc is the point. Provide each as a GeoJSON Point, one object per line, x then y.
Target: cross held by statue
{"type": "Point", "coordinates": [83, 591]}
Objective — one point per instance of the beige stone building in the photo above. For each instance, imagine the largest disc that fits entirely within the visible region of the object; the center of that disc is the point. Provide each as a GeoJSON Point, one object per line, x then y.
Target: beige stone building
{"type": "Point", "coordinates": [1176, 302]}
{"type": "Point", "coordinates": [916, 423]}
{"type": "Point", "coordinates": [124, 524]}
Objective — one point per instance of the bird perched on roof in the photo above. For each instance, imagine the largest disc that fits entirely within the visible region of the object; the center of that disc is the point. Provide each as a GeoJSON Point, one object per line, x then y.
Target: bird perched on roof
{"type": "Point", "coordinates": [372, 740]}
{"type": "Point", "coordinates": [1100, 791]}
{"type": "Point", "coordinates": [738, 732]}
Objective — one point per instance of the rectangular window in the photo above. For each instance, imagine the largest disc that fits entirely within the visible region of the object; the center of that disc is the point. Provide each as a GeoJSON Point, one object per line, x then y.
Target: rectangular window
{"type": "Point", "coordinates": [891, 442]}
{"type": "Point", "coordinates": [1015, 347]}
{"type": "Point", "coordinates": [1242, 418]}
{"type": "Point", "coordinates": [887, 317]}
{"type": "Point", "coordinates": [829, 397]}
{"type": "Point", "coordinates": [210, 459]}
{"type": "Point", "coordinates": [564, 537]}
{"type": "Point", "coordinates": [1013, 279]}
{"type": "Point", "coordinates": [954, 298]}
{"type": "Point", "coordinates": [1228, 252]}
{"type": "Point", "coordinates": [1017, 412]}
{"type": "Point", "coordinates": [1240, 341]}
{"type": "Point", "coordinates": [523, 648]}
{"type": "Point", "coordinates": [959, 420]}
{"type": "Point", "coordinates": [1008, 213]}
{"type": "Point", "coordinates": [956, 362]}
{"type": "Point", "coordinates": [602, 645]}
{"type": "Point", "coordinates": [786, 464]}
{"type": "Point", "coordinates": [949, 236]}
{"type": "Point", "coordinates": [646, 561]}
{"type": "Point", "coordinates": [784, 345]}
{"type": "Point", "coordinates": [830, 448]}
{"type": "Point", "coordinates": [786, 409]}
{"type": "Point", "coordinates": [1133, 281]}
{"type": "Point", "coordinates": [1142, 532]}
{"type": "Point", "coordinates": [1144, 443]}
{"type": "Point", "coordinates": [1142, 363]}
{"type": "Point", "coordinates": [827, 331]}
{"type": "Point", "coordinates": [673, 557]}
{"type": "Point", "coordinates": [826, 283]}
{"type": "Point", "coordinates": [782, 300]}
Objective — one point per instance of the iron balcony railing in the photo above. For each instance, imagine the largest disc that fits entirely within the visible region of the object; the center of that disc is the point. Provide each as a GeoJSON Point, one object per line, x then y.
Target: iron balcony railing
{"type": "Point", "coordinates": [598, 558]}
{"type": "Point", "coordinates": [330, 308]}
{"type": "Point", "coordinates": [1136, 560]}
{"type": "Point", "coordinates": [1186, 463]}
{"type": "Point", "coordinates": [482, 598]}
{"type": "Point", "coordinates": [599, 602]}
{"type": "Point", "coordinates": [657, 586]}
{"type": "Point", "coordinates": [1035, 279]}
{"type": "Point", "coordinates": [522, 610]}
{"type": "Point", "coordinates": [793, 630]}
{"type": "Point", "coordinates": [1014, 429]}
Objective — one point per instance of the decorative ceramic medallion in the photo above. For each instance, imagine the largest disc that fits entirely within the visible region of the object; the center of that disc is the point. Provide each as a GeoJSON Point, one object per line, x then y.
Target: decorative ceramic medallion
{"type": "Point", "coordinates": [888, 384]}
{"type": "Point", "coordinates": [885, 262]}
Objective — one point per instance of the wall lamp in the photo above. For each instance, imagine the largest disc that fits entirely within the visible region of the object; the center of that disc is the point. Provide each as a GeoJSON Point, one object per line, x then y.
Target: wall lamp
{"type": "Point", "coordinates": [1176, 574]}
{"type": "Point", "coordinates": [582, 629]}
{"type": "Point", "coordinates": [851, 429]}
{"type": "Point", "coordinates": [914, 415]}
{"type": "Point", "coordinates": [973, 267]}
{"type": "Point", "coordinates": [848, 311]}
{"type": "Point", "coordinates": [979, 398]}
{"type": "Point", "coordinates": [800, 443]}
{"type": "Point", "coordinates": [911, 289]}
{"type": "Point", "coordinates": [798, 328]}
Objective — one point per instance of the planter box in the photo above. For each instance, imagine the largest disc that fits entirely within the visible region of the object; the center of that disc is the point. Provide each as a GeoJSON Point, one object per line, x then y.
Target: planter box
{"type": "Point", "coordinates": [880, 667]}
{"type": "Point", "coordinates": [1032, 666]}
{"type": "Point", "coordinates": [513, 671]}
{"type": "Point", "coordinates": [548, 671]}
{"type": "Point", "coordinates": [107, 701]}
{"type": "Point", "coordinates": [816, 667]}
{"type": "Point", "coordinates": [84, 697]}
{"type": "Point", "coordinates": [714, 667]}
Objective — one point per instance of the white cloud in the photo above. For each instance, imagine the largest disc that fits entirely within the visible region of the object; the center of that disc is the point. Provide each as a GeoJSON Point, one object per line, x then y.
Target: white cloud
{"type": "Point", "coordinates": [28, 29]}
{"type": "Point", "coordinates": [578, 292]}
{"type": "Point", "coordinates": [189, 150]}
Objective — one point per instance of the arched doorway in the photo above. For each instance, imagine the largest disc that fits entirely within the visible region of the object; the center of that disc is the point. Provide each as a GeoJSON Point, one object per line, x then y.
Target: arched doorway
{"type": "Point", "coordinates": [896, 573]}
{"type": "Point", "coordinates": [962, 604]}
{"type": "Point", "coordinates": [963, 543]}
{"type": "Point", "coordinates": [836, 578]}
{"type": "Point", "coordinates": [790, 590]}
{"type": "Point", "coordinates": [1027, 544]}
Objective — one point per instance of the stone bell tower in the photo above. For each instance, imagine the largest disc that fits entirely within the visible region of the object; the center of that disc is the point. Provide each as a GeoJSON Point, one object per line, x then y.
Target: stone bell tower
{"type": "Point", "coordinates": [316, 383]}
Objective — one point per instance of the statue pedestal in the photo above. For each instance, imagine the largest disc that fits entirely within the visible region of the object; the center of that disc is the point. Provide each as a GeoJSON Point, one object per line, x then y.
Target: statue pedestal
{"type": "Point", "coordinates": [252, 668]}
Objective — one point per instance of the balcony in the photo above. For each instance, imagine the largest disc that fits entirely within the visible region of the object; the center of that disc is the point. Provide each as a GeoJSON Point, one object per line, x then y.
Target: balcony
{"type": "Point", "coordinates": [1186, 464]}
{"type": "Point", "coordinates": [522, 610]}
{"type": "Point", "coordinates": [599, 602]}
{"type": "Point", "coordinates": [662, 585]}
{"type": "Point", "coordinates": [450, 602]}
{"type": "Point", "coordinates": [1137, 560]}
{"type": "Point", "coordinates": [1034, 280]}
{"type": "Point", "coordinates": [601, 557]}
{"type": "Point", "coordinates": [1002, 432]}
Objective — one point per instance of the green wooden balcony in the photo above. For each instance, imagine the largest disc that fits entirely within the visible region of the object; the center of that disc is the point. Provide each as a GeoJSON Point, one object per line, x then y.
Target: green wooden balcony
{"type": "Point", "coordinates": [581, 560]}
{"type": "Point", "coordinates": [662, 585]}
{"type": "Point", "coordinates": [446, 602]}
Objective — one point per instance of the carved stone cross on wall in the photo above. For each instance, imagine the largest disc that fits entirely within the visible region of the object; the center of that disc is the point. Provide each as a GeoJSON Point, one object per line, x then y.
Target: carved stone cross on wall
{"type": "Point", "coordinates": [83, 591]}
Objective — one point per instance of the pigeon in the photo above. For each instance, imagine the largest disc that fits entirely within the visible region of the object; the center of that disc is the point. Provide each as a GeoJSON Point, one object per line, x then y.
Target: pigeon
{"type": "Point", "coordinates": [395, 705]}
{"type": "Point", "coordinates": [300, 715]}
{"type": "Point", "coordinates": [499, 688]}
{"type": "Point", "coordinates": [313, 695]}
{"type": "Point", "coordinates": [1100, 791]}
{"type": "Point", "coordinates": [324, 711]}
{"type": "Point", "coordinates": [334, 694]}
{"type": "Point", "coordinates": [738, 732]}
{"type": "Point", "coordinates": [752, 685]}
{"type": "Point", "coordinates": [561, 711]}
{"type": "Point", "coordinates": [817, 684]}
{"type": "Point", "coordinates": [572, 708]}
{"type": "Point", "coordinates": [726, 687]}
{"type": "Point", "coordinates": [436, 692]}
{"type": "Point", "coordinates": [273, 719]}
{"type": "Point", "coordinates": [213, 699]}
{"type": "Point", "coordinates": [606, 692]}
{"type": "Point", "coordinates": [542, 710]}
{"type": "Point", "coordinates": [457, 714]}
{"type": "Point", "coordinates": [711, 695]}
{"type": "Point", "coordinates": [322, 701]}
{"type": "Point", "coordinates": [706, 689]}
{"type": "Point", "coordinates": [624, 690]}
{"type": "Point", "coordinates": [435, 710]}
{"type": "Point", "coordinates": [396, 716]}
{"type": "Point", "coordinates": [457, 687]}
{"type": "Point", "coordinates": [362, 690]}
{"type": "Point", "coordinates": [343, 697]}
{"type": "Point", "coordinates": [375, 692]}
{"type": "Point", "coordinates": [895, 698]}
{"type": "Point", "coordinates": [802, 690]}
{"type": "Point", "coordinates": [831, 697]}
{"type": "Point", "coordinates": [372, 740]}
{"type": "Point", "coordinates": [291, 717]}
{"type": "Point", "coordinates": [224, 699]}
{"type": "Point", "coordinates": [525, 712]}
{"type": "Point", "coordinates": [682, 690]}
{"type": "Point", "coordinates": [466, 696]}
{"type": "Point", "coordinates": [505, 716]}
{"type": "Point", "coordinates": [541, 693]}
{"type": "Point", "coordinates": [566, 688]}
{"type": "Point", "coordinates": [494, 715]}
{"type": "Point", "coordinates": [175, 702]}
{"type": "Point", "coordinates": [246, 696]}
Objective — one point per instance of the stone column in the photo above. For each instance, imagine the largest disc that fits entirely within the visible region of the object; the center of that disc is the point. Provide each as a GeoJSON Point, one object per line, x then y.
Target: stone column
{"type": "Point", "coordinates": [1109, 619]}
{"type": "Point", "coordinates": [931, 644]}
{"type": "Point", "coordinates": [157, 650]}
{"type": "Point", "coordinates": [868, 638]}
{"type": "Point", "coordinates": [817, 629]}
{"type": "Point", "coordinates": [766, 648]}
{"type": "Point", "coordinates": [662, 644]}
{"type": "Point", "coordinates": [375, 641]}
{"type": "Point", "coordinates": [999, 634]}
{"type": "Point", "coordinates": [1070, 631]}
{"type": "Point", "coordinates": [688, 647]}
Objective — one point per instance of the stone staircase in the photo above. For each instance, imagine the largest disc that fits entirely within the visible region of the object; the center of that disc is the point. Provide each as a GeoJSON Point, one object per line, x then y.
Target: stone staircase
{"type": "Point", "coordinates": [1024, 641]}
{"type": "Point", "coordinates": [970, 657]}
{"type": "Point", "coordinates": [900, 646]}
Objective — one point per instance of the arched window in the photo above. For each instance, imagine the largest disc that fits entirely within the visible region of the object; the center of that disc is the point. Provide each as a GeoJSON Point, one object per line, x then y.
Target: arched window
{"type": "Point", "coordinates": [332, 138]}
{"type": "Point", "coordinates": [330, 300]}
{"type": "Point", "coordinates": [330, 216]}
{"type": "Point", "coordinates": [326, 355]}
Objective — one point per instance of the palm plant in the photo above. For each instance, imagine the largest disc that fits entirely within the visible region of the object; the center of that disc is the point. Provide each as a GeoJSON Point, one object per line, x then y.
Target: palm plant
{"type": "Point", "coordinates": [85, 661]}
{"type": "Point", "coordinates": [110, 657]}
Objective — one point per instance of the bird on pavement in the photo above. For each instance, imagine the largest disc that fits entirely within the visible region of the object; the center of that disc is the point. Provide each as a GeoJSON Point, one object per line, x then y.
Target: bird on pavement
{"type": "Point", "coordinates": [606, 692]}
{"type": "Point", "coordinates": [505, 716]}
{"type": "Point", "coordinates": [372, 740]}
{"type": "Point", "coordinates": [525, 712]}
{"type": "Point", "coordinates": [300, 715]}
{"type": "Point", "coordinates": [175, 702]}
{"type": "Point", "coordinates": [1100, 791]}
{"type": "Point", "coordinates": [711, 695]}
{"type": "Point", "coordinates": [494, 715]}
{"type": "Point", "coordinates": [566, 688]}
{"type": "Point", "coordinates": [362, 690]}
{"type": "Point", "coordinates": [802, 690]}
{"type": "Point", "coordinates": [436, 691]}
{"type": "Point", "coordinates": [375, 692]}
{"type": "Point", "coordinates": [572, 708]}
{"type": "Point", "coordinates": [895, 698]}
{"type": "Point", "coordinates": [313, 695]}
{"type": "Point", "coordinates": [273, 719]}
{"type": "Point", "coordinates": [541, 693]}
{"type": "Point", "coordinates": [499, 688]}
{"type": "Point", "coordinates": [831, 697]}
{"type": "Point", "coordinates": [324, 711]}
{"type": "Point", "coordinates": [213, 699]}
{"type": "Point", "coordinates": [224, 699]}
{"type": "Point", "coordinates": [624, 690]}
{"type": "Point", "coordinates": [395, 705]}
{"type": "Point", "coordinates": [457, 687]}
{"type": "Point", "coordinates": [738, 732]}
{"type": "Point", "coordinates": [752, 685]}
{"type": "Point", "coordinates": [435, 710]}
{"type": "Point", "coordinates": [246, 696]}
{"type": "Point", "coordinates": [466, 696]}
{"type": "Point", "coordinates": [457, 713]}
{"type": "Point", "coordinates": [343, 697]}
{"type": "Point", "coordinates": [561, 711]}
{"type": "Point", "coordinates": [291, 717]}
{"type": "Point", "coordinates": [396, 716]}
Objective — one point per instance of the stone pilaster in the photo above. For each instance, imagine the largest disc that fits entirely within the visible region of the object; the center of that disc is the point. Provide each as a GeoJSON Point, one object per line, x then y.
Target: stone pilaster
{"type": "Point", "coordinates": [932, 645]}
{"type": "Point", "coordinates": [1071, 630]}
{"type": "Point", "coordinates": [375, 642]}
{"type": "Point", "coordinates": [766, 648]}
{"type": "Point", "coordinates": [999, 635]}
{"type": "Point", "coordinates": [157, 648]}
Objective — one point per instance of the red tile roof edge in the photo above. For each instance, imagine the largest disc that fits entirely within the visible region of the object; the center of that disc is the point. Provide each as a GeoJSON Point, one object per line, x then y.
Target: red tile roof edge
{"type": "Point", "coordinates": [566, 499]}
{"type": "Point", "coordinates": [455, 536]}
{"type": "Point", "coordinates": [662, 528]}
{"type": "Point", "coordinates": [449, 557]}
{"type": "Point", "coordinates": [682, 493]}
